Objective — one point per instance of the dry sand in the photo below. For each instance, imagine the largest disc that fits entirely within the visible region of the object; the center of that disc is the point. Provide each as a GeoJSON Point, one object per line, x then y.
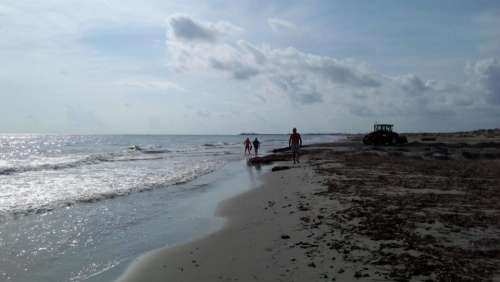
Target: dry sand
{"type": "Point", "coordinates": [419, 212]}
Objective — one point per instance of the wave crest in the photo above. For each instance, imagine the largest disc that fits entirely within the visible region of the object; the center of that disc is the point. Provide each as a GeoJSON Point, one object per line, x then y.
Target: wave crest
{"type": "Point", "coordinates": [89, 160]}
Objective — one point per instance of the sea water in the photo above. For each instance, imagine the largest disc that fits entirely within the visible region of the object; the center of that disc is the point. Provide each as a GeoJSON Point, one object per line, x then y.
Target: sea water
{"type": "Point", "coordinates": [70, 207]}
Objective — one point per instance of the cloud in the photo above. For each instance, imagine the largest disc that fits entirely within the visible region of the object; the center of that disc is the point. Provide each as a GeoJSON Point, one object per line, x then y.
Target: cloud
{"type": "Point", "coordinates": [412, 84]}
{"type": "Point", "coordinates": [308, 79]}
{"type": "Point", "coordinates": [182, 27]}
{"type": "Point", "coordinates": [361, 110]}
{"type": "Point", "coordinates": [278, 25]}
{"type": "Point", "coordinates": [238, 69]}
{"type": "Point", "coordinates": [258, 56]}
{"type": "Point", "coordinates": [333, 69]}
{"type": "Point", "coordinates": [227, 27]}
{"type": "Point", "coordinates": [298, 88]}
{"type": "Point", "coordinates": [409, 96]}
{"type": "Point", "coordinates": [303, 77]}
{"type": "Point", "coordinates": [486, 74]}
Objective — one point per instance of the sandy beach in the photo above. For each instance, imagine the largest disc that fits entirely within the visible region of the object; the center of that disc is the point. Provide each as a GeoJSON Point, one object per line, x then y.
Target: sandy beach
{"type": "Point", "coordinates": [425, 211]}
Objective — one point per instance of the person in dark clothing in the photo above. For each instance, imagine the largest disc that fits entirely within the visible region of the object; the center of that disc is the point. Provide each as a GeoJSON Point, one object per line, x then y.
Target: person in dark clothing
{"type": "Point", "coordinates": [256, 145]}
{"type": "Point", "coordinates": [295, 142]}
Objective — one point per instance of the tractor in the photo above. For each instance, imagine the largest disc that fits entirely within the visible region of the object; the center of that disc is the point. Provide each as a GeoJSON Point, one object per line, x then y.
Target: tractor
{"type": "Point", "coordinates": [383, 135]}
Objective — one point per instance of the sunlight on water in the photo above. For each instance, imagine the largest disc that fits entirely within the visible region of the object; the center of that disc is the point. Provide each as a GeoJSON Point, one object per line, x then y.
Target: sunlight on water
{"type": "Point", "coordinates": [42, 172]}
{"type": "Point", "coordinates": [59, 211]}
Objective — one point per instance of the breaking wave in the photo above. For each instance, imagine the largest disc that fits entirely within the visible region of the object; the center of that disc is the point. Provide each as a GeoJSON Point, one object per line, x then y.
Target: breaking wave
{"type": "Point", "coordinates": [219, 144]}
{"type": "Point", "coordinates": [88, 160]}
{"type": "Point", "coordinates": [119, 182]}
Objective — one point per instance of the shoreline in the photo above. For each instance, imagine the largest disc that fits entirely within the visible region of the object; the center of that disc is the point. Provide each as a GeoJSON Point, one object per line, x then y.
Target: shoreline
{"type": "Point", "coordinates": [97, 241]}
{"type": "Point", "coordinates": [352, 213]}
{"type": "Point", "coordinates": [251, 219]}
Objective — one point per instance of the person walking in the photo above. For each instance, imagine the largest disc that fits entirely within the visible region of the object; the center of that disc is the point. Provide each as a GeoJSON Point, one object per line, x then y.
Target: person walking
{"type": "Point", "coordinates": [295, 142]}
{"type": "Point", "coordinates": [256, 145]}
{"type": "Point", "coordinates": [248, 146]}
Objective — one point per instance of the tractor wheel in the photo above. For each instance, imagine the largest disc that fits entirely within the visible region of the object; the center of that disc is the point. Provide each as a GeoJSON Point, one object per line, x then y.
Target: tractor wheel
{"type": "Point", "coordinates": [394, 140]}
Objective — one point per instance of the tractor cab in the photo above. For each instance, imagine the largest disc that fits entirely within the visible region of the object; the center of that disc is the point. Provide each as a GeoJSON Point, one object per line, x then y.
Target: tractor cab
{"type": "Point", "coordinates": [383, 135]}
{"type": "Point", "coordinates": [383, 127]}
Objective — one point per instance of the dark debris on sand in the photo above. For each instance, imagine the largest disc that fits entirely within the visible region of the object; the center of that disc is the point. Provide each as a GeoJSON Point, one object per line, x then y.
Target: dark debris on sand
{"type": "Point", "coordinates": [269, 159]}
{"type": "Point", "coordinates": [430, 218]}
{"type": "Point", "coordinates": [418, 212]}
{"type": "Point", "coordinates": [280, 167]}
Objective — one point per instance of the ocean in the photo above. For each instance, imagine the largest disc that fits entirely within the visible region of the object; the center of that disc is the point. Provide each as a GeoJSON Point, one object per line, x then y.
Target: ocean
{"type": "Point", "coordinates": [82, 207]}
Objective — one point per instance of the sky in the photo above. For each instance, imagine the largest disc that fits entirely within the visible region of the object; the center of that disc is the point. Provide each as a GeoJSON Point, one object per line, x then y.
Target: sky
{"type": "Point", "coordinates": [224, 67]}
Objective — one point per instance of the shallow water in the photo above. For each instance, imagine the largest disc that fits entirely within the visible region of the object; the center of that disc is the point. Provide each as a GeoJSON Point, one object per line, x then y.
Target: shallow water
{"type": "Point", "coordinates": [43, 172]}
{"type": "Point", "coordinates": [70, 207]}
{"type": "Point", "coordinates": [95, 241]}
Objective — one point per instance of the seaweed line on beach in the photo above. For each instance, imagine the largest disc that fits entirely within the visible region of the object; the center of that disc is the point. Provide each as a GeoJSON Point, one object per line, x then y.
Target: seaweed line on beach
{"type": "Point", "coordinates": [430, 220]}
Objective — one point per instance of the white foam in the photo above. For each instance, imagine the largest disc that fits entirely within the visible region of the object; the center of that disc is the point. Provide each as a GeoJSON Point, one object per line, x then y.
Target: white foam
{"type": "Point", "coordinates": [37, 191]}
{"type": "Point", "coordinates": [39, 173]}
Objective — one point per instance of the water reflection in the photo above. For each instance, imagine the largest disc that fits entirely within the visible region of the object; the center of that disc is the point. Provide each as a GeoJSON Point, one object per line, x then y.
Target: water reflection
{"type": "Point", "coordinates": [95, 241]}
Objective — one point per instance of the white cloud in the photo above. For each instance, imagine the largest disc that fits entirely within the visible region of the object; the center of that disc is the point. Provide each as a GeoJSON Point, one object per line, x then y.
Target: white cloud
{"type": "Point", "coordinates": [278, 25]}
{"type": "Point", "coordinates": [227, 27]}
{"type": "Point", "coordinates": [302, 76]}
{"type": "Point", "coordinates": [307, 79]}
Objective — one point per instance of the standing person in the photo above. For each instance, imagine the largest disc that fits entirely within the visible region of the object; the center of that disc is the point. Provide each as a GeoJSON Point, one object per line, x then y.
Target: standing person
{"type": "Point", "coordinates": [256, 144]}
{"type": "Point", "coordinates": [295, 142]}
{"type": "Point", "coordinates": [248, 146]}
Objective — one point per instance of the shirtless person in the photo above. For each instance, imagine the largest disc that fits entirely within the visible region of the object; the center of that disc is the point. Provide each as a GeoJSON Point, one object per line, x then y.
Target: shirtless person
{"type": "Point", "coordinates": [248, 146]}
{"type": "Point", "coordinates": [295, 142]}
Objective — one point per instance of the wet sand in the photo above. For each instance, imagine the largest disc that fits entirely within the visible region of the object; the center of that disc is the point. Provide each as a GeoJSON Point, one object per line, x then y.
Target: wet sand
{"type": "Point", "coordinates": [418, 212]}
